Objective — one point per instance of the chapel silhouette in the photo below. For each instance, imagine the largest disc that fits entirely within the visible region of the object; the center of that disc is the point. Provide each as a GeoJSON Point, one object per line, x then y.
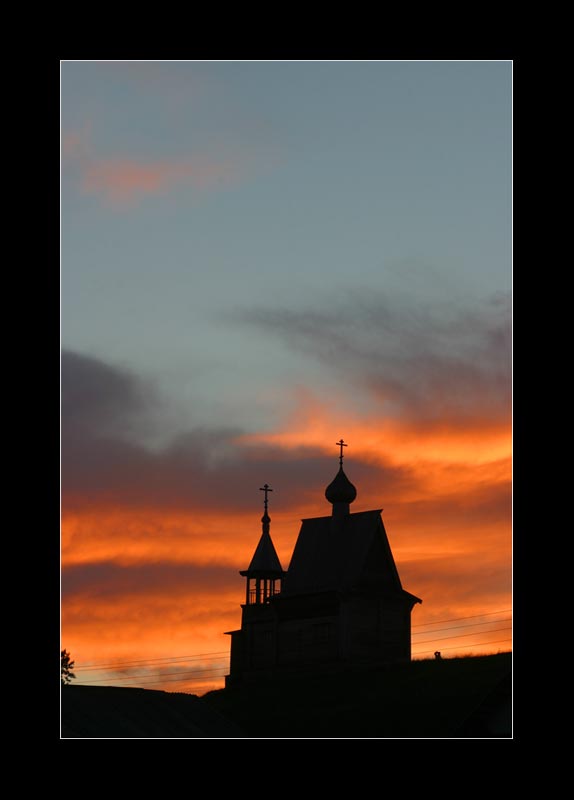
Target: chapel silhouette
{"type": "Point", "coordinates": [339, 604]}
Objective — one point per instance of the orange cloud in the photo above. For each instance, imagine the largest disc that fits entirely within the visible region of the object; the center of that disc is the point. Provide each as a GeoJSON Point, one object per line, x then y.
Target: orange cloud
{"type": "Point", "coordinates": [379, 438]}
{"type": "Point", "coordinates": [133, 537]}
{"type": "Point", "coordinates": [122, 181]}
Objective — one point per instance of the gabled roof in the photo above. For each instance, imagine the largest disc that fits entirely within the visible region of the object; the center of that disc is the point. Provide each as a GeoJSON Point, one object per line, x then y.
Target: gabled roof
{"type": "Point", "coordinates": [342, 553]}
{"type": "Point", "coordinates": [265, 561]}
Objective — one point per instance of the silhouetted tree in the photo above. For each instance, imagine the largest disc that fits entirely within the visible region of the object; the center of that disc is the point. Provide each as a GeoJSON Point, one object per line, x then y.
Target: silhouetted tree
{"type": "Point", "coordinates": [67, 667]}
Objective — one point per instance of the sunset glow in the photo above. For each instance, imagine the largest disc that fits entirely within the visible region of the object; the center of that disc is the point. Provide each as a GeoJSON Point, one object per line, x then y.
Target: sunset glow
{"type": "Point", "coordinates": [154, 583]}
{"type": "Point", "coordinates": [259, 258]}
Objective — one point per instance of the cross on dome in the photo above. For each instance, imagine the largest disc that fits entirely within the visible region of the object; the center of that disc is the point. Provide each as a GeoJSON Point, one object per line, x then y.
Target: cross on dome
{"type": "Point", "coordinates": [341, 444]}
{"type": "Point", "coordinates": [340, 492]}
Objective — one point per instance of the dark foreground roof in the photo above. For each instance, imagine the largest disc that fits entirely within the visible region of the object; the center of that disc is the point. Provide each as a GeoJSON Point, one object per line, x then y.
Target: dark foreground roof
{"type": "Point", "coordinates": [111, 712]}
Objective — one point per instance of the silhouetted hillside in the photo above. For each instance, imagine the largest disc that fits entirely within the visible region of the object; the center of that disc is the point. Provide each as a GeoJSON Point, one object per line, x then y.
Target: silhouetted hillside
{"type": "Point", "coordinates": [113, 712]}
{"type": "Point", "coordinates": [462, 697]}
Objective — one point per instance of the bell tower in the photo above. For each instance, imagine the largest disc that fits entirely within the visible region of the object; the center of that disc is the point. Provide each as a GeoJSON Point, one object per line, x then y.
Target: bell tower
{"type": "Point", "coordinates": [254, 645]}
{"type": "Point", "coordinates": [264, 573]}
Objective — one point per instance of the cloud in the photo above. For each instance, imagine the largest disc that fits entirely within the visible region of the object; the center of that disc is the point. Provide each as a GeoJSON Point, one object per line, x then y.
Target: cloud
{"type": "Point", "coordinates": [459, 581]}
{"type": "Point", "coordinates": [431, 363]}
{"type": "Point", "coordinates": [106, 579]}
{"type": "Point", "coordinates": [105, 460]}
{"type": "Point", "coordinates": [121, 182]}
{"type": "Point", "coordinates": [106, 417]}
{"type": "Point", "coordinates": [217, 472]}
{"type": "Point", "coordinates": [99, 399]}
{"type": "Point", "coordinates": [472, 498]}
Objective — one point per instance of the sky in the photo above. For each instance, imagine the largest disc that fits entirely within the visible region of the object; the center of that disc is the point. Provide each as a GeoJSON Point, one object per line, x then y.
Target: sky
{"type": "Point", "coordinates": [257, 259]}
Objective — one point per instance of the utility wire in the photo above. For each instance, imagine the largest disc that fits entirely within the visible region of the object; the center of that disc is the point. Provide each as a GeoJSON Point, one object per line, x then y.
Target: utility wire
{"type": "Point", "coordinates": [471, 625]}
{"type": "Point", "coordinates": [169, 675]}
{"type": "Point", "coordinates": [168, 679]}
{"type": "Point", "coordinates": [456, 619]}
{"type": "Point", "coordinates": [149, 660]}
{"type": "Point", "coordinates": [180, 660]}
{"type": "Point", "coordinates": [148, 683]}
{"type": "Point", "coordinates": [460, 636]}
{"type": "Point", "coordinates": [195, 680]}
{"type": "Point", "coordinates": [461, 646]}
{"type": "Point", "coordinates": [207, 671]}
{"type": "Point", "coordinates": [145, 665]}
{"type": "Point", "coordinates": [175, 659]}
{"type": "Point", "coordinates": [223, 665]}
{"type": "Point", "coordinates": [177, 680]}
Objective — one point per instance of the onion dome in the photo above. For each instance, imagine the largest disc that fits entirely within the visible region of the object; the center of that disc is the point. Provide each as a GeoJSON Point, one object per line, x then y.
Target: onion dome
{"type": "Point", "coordinates": [340, 492]}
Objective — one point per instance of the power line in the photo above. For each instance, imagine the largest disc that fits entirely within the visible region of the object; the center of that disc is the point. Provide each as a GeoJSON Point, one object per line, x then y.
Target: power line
{"type": "Point", "coordinates": [198, 675]}
{"type": "Point", "coordinates": [183, 680]}
{"type": "Point", "coordinates": [472, 624]}
{"type": "Point", "coordinates": [208, 670]}
{"type": "Point", "coordinates": [460, 635]}
{"type": "Point", "coordinates": [175, 659]}
{"type": "Point", "coordinates": [456, 619]}
{"type": "Point", "coordinates": [177, 680]}
{"type": "Point", "coordinates": [216, 665]}
{"type": "Point", "coordinates": [460, 647]}
{"type": "Point", "coordinates": [169, 674]}
{"type": "Point", "coordinates": [150, 660]}
{"type": "Point", "coordinates": [143, 664]}
{"type": "Point", "coordinates": [164, 680]}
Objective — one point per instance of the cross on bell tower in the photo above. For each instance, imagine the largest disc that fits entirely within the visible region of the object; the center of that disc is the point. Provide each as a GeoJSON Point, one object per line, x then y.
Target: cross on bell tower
{"type": "Point", "coordinates": [265, 488]}
{"type": "Point", "coordinates": [265, 572]}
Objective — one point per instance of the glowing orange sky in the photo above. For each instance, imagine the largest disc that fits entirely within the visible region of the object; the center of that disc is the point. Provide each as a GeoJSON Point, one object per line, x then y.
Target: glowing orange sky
{"type": "Point", "coordinates": [151, 582]}
{"type": "Point", "coordinates": [257, 259]}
